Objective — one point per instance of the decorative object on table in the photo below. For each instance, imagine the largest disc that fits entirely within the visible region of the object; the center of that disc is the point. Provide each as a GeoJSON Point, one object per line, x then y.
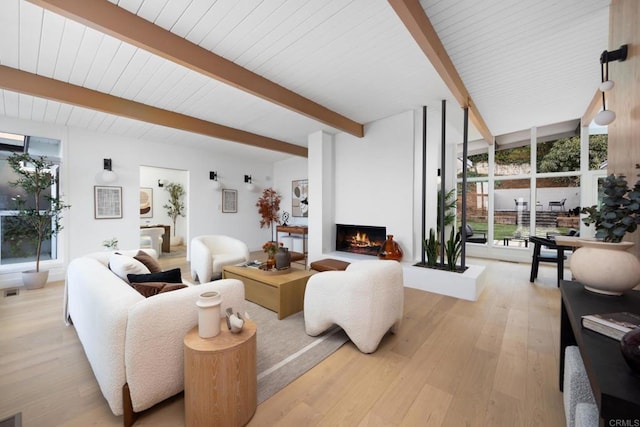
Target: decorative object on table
{"type": "Point", "coordinates": [38, 213]}
{"type": "Point", "coordinates": [270, 248]}
{"type": "Point", "coordinates": [285, 218]}
{"type": "Point", "coordinates": [229, 201]}
{"type": "Point", "coordinates": [146, 202]}
{"type": "Point", "coordinates": [613, 325]}
{"type": "Point", "coordinates": [300, 198]}
{"type": "Point", "coordinates": [209, 314]}
{"type": "Point", "coordinates": [605, 266]}
{"type": "Point", "coordinates": [175, 207]}
{"type": "Point", "coordinates": [268, 206]}
{"type": "Point", "coordinates": [107, 202]}
{"type": "Point", "coordinates": [283, 258]}
{"type": "Point", "coordinates": [235, 322]}
{"type": "Point", "coordinates": [630, 348]}
{"type": "Point", "coordinates": [111, 244]}
{"type": "Point", "coordinates": [390, 249]}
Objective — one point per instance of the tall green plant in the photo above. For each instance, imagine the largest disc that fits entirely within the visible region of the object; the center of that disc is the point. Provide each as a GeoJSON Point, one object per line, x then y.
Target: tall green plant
{"type": "Point", "coordinates": [175, 207]}
{"type": "Point", "coordinates": [431, 248]}
{"type": "Point", "coordinates": [34, 223]}
{"type": "Point", "coordinates": [453, 249]}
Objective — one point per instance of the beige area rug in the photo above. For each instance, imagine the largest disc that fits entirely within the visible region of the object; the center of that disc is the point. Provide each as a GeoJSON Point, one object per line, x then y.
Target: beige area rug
{"type": "Point", "coordinates": [285, 351]}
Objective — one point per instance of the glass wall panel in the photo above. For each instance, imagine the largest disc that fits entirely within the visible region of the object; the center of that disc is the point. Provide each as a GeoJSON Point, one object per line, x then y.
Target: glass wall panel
{"type": "Point", "coordinates": [511, 214]}
{"type": "Point", "coordinates": [513, 161]}
{"type": "Point", "coordinates": [598, 151]}
{"type": "Point", "coordinates": [558, 155]}
{"type": "Point", "coordinates": [477, 211]}
{"type": "Point", "coordinates": [558, 206]}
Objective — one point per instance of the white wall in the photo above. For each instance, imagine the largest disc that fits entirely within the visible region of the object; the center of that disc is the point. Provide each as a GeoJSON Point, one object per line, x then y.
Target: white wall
{"type": "Point", "coordinates": [83, 152]}
{"type": "Point", "coordinates": [374, 178]}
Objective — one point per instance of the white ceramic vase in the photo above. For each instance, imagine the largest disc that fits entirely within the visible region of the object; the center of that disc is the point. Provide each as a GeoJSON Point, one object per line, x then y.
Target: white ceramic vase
{"type": "Point", "coordinates": [605, 268]}
{"type": "Point", "coordinates": [209, 314]}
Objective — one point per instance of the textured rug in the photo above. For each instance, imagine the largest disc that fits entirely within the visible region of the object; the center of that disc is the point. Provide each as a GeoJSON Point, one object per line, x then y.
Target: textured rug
{"type": "Point", "coordinates": [285, 351]}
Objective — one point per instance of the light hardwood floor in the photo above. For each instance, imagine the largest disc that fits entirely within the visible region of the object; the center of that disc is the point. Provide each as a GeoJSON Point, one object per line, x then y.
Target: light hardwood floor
{"type": "Point", "coordinates": [493, 362]}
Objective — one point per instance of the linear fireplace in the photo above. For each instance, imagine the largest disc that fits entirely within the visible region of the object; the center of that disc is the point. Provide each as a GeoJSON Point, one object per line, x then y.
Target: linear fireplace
{"type": "Point", "coordinates": [360, 239]}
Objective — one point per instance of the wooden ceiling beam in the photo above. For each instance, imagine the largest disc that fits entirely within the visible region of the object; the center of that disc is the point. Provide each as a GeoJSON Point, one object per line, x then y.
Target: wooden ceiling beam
{"type": "Point", "coordinates": [414, 18]}
{"type": "Point", "coordinates": [108, 18]}
{"type": "Point", "coordinates": [44, 87]}
{"type": "Point", "coordinates": [592, 109]}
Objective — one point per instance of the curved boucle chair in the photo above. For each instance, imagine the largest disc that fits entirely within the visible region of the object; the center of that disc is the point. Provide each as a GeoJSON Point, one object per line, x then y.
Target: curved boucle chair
{"type": "Point", "coordinates": [212, 252]}
{"type": "Point", "coordinates": [366, 300]}
{"type": "Point", "coordinates": [152, 238]}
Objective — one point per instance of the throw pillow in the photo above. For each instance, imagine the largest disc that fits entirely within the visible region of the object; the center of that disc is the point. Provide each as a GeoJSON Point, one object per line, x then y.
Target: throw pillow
{"type": "Point", "coordinates": [169, 276]}
{"type": "Point", "coordinates": [123, 265]}
{"type": "Point", "coordinates": [149, 289]}
{"type": "Point", "coordinates": [149, 261]}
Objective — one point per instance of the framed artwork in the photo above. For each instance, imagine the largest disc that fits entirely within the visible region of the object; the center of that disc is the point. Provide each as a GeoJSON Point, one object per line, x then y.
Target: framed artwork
{"type": "Point", "coordinates": [229, 201]}
{"type": "Point", "coordinates": [146, 202]}
{"type": "Point", "coordinates": [107, 202]}
{"type": "Point", "coordinates": [300, 197]}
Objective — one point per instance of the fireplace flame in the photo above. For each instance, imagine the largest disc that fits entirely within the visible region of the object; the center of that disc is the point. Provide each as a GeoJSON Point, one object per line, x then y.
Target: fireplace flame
{"type": "Point", "coordinates": [360, 240]}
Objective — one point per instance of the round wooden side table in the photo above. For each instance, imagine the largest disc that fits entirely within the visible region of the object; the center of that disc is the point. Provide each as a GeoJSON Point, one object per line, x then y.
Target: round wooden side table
{"type": "Point", "coordinates": [220, 379]}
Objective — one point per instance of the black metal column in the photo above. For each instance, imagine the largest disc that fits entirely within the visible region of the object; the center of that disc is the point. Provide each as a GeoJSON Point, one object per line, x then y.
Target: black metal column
{"type": "Point", "coordinates": [463, 220]}
{"type": "Point", "coordinates": [424, 182]}
{"type": "Point", "coordinates": [441, 193]}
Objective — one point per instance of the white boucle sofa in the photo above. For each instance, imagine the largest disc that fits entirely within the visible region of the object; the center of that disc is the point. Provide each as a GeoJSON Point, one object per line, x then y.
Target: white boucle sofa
{"type": "Point", "coordinates": [135, 344]}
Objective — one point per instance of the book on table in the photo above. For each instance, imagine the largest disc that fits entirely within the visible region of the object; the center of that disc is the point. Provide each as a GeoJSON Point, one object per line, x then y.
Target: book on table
{"type": "Point", "coordinates": [613, 325]}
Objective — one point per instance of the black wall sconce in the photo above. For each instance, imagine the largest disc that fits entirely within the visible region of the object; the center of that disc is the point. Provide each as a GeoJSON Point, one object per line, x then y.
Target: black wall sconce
{"type": "Point", "coordinates": [107, 175]}
{"type": "Point", "coordinates": [162, 182]}
{"type": "Point", "coordinates": [213, 176]}
{"type": "Point", "coordinates": [605, 116]}
{"type": "Point", "coordinates": [249, 184]}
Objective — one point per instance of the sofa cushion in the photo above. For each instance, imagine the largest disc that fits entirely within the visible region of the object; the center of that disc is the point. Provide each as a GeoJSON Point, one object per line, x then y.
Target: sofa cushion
{"type": "Point", "coordinates": [149, 261]}
{"type": "Point", "coordinates": [169, 276]}
{"type": "Point", "coordinates": [123, 265]}
{"type": "Point", "coordinates": [149, 289]}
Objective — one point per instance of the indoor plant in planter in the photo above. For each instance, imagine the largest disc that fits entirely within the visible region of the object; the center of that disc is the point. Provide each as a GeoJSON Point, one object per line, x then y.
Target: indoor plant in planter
{"type": "Point", "coordinates": [175, 207]}
{"type": "Point", "coordinates": [603, 264]}
{"type": "Point", "coordinates": [38, 217]}
{"type": "Point", "coordinates": [268, 206]}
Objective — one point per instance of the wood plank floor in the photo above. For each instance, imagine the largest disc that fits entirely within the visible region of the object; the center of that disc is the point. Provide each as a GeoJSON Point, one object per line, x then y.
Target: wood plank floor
{"type": "Point", "coordinates": [493, 362]}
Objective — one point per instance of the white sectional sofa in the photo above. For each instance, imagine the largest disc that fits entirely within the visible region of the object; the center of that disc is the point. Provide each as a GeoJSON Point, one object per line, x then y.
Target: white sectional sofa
{"type": "Point", "coordinates": [134, 344]}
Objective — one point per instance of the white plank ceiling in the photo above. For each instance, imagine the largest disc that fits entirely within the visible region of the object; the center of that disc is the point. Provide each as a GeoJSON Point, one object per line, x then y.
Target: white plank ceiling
{"type": "Point", "coordinates": [525, 63]}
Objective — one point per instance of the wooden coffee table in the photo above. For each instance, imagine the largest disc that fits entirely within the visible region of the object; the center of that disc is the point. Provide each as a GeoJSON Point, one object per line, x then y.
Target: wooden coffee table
{"type": "Point", "coordinates": [279, 292]}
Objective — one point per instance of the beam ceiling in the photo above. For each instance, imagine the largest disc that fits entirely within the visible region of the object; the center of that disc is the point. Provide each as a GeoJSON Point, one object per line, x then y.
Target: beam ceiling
{"type": "Point", "coordinates": [110, 19]}
{"type": "Point", "coordinates": [414, 18]}
{"type": "Point", "coordinates": [44, 87]}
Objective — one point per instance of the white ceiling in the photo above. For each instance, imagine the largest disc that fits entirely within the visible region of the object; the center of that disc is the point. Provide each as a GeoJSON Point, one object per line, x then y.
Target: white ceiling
{"type": "Point", "coordinates": [525, 63]}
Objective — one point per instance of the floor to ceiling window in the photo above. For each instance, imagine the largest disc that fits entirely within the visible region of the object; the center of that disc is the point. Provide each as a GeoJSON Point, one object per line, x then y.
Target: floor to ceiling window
{"type": "Point", "coordinates": [10, 252]}
{"type": "Point", "coordinates": [528, 192]}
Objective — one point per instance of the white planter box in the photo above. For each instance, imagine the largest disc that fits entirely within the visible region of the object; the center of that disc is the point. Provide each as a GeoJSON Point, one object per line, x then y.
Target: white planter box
{"type": "Point", "coordinates": [467, 285]}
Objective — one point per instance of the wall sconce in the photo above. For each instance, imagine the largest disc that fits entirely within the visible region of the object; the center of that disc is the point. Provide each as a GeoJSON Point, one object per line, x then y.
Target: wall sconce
{"type": "Point", "coordinates": [108, 175]}
{"type": "Point", "coordinates": [247, 180]}
{"type": "Point", "coordinates": [162, 182]}
{"type": "Point", "coordinates": [213, 176]}
{"type": "Point", "coordinates": [605, 116]}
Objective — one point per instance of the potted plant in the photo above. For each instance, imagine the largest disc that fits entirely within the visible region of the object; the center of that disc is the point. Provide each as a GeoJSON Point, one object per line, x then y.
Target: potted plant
{"type": "Point", "coordinates": [175, 207]}
{"type": "Point", "coordinates": [38, 216]}
{"type": "Point", "coordinates": [603, 265]}
{"type": "Point", "coordinates": [268, 206]}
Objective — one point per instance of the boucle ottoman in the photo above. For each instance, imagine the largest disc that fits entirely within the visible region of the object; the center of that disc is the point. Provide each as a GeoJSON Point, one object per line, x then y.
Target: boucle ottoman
{"type": "Point", "coordinates": [328, 264]}
{"type": "Point", "coordinates": [576, 387]}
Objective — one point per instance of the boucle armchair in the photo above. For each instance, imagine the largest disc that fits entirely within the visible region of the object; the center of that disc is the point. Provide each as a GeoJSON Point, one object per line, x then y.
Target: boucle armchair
{"type": "Point", "coordinates": [366, 300]}
{"type": "Point", "coordinates": [212, 252]}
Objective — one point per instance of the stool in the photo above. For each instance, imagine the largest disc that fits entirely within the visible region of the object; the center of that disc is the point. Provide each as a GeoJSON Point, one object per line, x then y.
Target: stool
{"type": "Point", "coordinates": [329, 264]}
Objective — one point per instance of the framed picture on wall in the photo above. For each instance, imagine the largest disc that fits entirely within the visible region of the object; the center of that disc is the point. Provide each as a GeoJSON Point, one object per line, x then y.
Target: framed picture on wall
{"type": "Point", "coordinates": [146, 202]}
{"type": "Point", "coordinates": [229, 201]}
{"type": "Point", "coordinates": [107, 202]}
{"type": "Point", "coordinates": [300, 197]}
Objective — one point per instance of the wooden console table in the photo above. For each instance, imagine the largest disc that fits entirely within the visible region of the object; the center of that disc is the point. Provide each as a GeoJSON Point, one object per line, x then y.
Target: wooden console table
{"type": "Point", "coordinates": [166, 237]}
{"type": "Point", "coordinates": [220, 379]}
{"type": "Point", "coordinates": [615, 387]}
{"type": "Point", "coordinates": [295, 229]}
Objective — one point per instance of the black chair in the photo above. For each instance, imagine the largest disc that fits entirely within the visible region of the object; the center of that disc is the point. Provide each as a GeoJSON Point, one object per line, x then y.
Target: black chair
{"type": "Point", "coordinates": [559, 204]}
{"type": "Point", "coordinates": [521, 204]}
{"type": "Point", "coordinates": [555, 255]}
{"type": "Point", "coordinates": [474, 237]}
